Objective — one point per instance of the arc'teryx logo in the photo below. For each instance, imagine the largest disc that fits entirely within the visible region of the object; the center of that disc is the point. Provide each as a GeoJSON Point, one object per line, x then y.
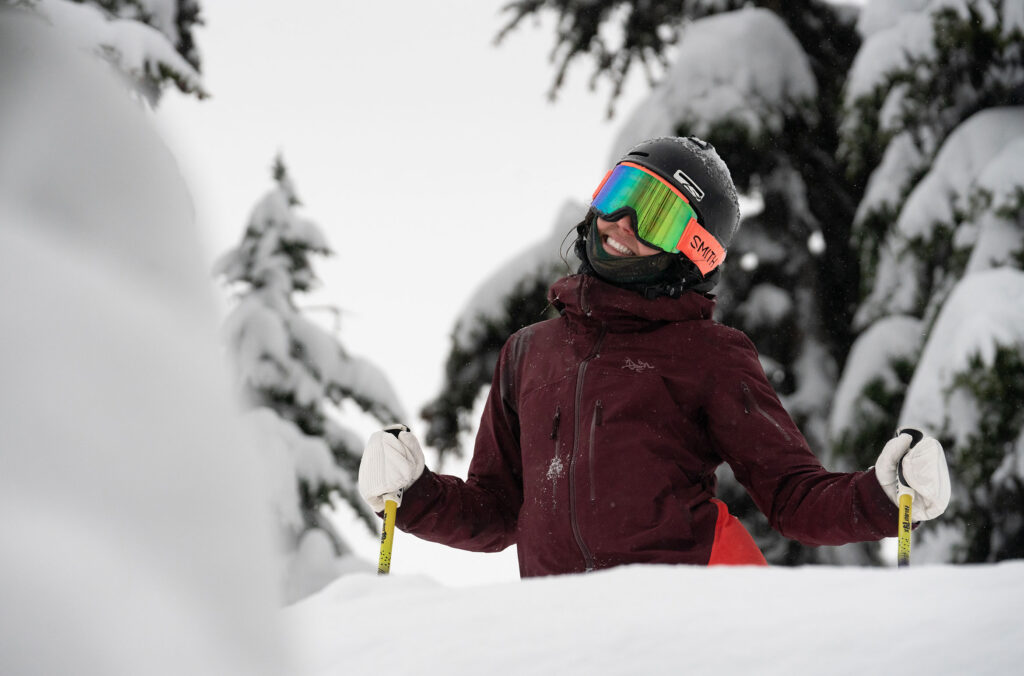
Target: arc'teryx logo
{"type": "Point", "coordinates": [637, 366]}
{"type": "Point", "coordinates": [689, 184]}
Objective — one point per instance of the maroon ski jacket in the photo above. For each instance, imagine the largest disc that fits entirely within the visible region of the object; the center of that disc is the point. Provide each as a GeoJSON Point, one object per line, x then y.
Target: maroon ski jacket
{"type": "Point", "coordinates": [601, 434]}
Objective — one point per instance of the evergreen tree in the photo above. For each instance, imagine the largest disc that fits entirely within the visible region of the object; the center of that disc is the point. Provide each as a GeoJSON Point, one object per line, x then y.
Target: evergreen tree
{"type": "Point", "coordinates": [831, 137]}
{"type": "Point", "coordinates": [940, 234]}
{"type": "Point", "coordinates": [295, 375]}
{"type": "Point", "coordinates": [150, 41]}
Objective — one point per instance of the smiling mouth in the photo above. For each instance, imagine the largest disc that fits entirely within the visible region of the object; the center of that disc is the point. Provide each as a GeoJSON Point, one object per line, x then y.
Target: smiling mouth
{"type": "Point", "coordinates": [616, 247]}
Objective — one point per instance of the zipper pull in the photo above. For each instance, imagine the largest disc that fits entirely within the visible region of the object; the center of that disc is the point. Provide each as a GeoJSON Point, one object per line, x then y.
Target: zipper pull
{"type": "Point", "coordinates": [748, 398]}
{"type": "Point", "coordinates": [554, 423]}
{"type": "Point", "coordinates": [597, 412]}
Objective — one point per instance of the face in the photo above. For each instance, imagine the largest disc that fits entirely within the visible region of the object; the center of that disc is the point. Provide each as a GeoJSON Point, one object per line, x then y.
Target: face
{"type": "Point", "coordinates": [618, 239]}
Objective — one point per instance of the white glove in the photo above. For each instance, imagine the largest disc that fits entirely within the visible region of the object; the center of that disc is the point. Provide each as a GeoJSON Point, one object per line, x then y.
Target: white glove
{"type": "Point", "coordinates": [925, 475]}
{"type": "Point", "coordinates": [392, 461]}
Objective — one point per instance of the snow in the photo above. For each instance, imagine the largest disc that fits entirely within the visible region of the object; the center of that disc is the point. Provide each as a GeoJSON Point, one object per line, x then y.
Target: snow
{"type": "Point", "coordinates": [163, 14]}
{"type": "Point", "coordinates": [1013, 17]}
{"type": "Point", "coordinates": [765, 305]}
{"type": "Point", "coordinates": [264, 326]}
{"type": "Point", "coordinates": [293, 455]}
{"type": "Point", "coordinates": [314, 564]}
{"type": "Point", "coordinates": [898, 32]}
{"type": "Point", "coordinates": [929, 620]}
{"type": "Point", "coordinates": [815, 373]}
{"type": "Point", "coordinates": [993, 239]}
{"type": "Point", "coordinates": [133, 538]}
{"type": "Point", "coordinates": [712, 82]}
{"type": "Point", "coordinates": [880, 15]}
{"type": "Point", "coordinates": [138, 49]}
{"type": "Point", "coordinates": [870, 358]}
{"type": "Point", "coordinates": [964, 156]}
{"type": "Point", "coordinates": [984, 311]}
{"type": "Point", "coordinates": [885, 188]}
{"type": "Point", "coordinates": [353, 375]}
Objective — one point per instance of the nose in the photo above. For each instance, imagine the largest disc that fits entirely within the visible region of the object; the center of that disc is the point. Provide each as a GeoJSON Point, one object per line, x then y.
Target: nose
{"type": "Point", "coordinates": [625, 224]}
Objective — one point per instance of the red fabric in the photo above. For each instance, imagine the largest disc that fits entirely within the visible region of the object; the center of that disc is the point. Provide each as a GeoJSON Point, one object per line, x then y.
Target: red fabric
{"type": "Point", "coordinates": [733, 545]}
{"type": "Point", "coordinates": [601, 435]}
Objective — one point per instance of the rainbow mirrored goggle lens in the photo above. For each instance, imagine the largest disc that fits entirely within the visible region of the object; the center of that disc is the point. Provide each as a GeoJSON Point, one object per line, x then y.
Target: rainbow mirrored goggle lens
{"type": "Point", "coordinates": [664, 217]}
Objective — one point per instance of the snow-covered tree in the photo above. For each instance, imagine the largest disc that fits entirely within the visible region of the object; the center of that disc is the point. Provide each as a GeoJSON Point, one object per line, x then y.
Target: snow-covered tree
{"type": "Point", "coordinates": [149, 41]}
{"type": "Point", "coordinates": [939, 89]}
{"type": "Point", "coordinates": [831, 121]}
{"type": "Point", "coordinates": [299, 382]}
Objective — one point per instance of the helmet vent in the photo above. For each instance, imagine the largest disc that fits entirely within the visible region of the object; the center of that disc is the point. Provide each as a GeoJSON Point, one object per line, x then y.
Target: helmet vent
{"type": "Point", "coordinates": [640, 153]}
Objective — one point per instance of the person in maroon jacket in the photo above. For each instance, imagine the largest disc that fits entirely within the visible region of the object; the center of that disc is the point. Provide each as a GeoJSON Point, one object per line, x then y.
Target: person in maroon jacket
{"type": "Point", "coordinates": [603, 427]}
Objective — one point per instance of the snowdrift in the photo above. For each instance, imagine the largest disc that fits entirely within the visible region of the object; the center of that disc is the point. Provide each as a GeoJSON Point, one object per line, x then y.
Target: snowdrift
{"type": "Point", "coordinates": [927, 620]}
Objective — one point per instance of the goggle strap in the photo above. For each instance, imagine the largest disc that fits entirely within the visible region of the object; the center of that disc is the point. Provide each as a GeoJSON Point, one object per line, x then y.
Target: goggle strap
{"type": "Point", "coordinates": [701, 247]}
{"type": "Point", "coordinates": [603, 181]}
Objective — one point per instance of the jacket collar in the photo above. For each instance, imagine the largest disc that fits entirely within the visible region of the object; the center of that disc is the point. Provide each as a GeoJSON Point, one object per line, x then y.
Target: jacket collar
{"type": "Point", "coordinates": [585, 298]}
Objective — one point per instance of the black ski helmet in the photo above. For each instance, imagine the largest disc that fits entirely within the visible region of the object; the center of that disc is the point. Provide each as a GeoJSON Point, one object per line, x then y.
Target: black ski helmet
{"type": "Point", "coordinates": [694, 166]}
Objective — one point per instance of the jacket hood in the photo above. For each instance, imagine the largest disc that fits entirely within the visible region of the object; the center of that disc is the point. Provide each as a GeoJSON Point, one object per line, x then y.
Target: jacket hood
{"type": "Point", "coordinates": [586, 298]}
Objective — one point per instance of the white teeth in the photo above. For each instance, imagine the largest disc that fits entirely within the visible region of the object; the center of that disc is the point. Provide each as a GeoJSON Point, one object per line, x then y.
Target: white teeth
{"type": "Point", "coordinates": [618, 246]}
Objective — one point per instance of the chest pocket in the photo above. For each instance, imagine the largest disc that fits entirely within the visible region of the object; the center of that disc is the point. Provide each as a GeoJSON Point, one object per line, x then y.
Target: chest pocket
{"type": "Point", "coordinates": [630, 400]}
{"type": "Point", "coordinates": [635, 424]}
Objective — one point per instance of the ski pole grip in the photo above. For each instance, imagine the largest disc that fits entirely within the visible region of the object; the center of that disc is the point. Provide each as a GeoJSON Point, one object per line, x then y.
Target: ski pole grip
{"type": "Point", "coordinates": [906, 503]}
{"type": "Point", "coordinates": [397, 428]}
{"type": "Point", "coordinates": [915, 437]}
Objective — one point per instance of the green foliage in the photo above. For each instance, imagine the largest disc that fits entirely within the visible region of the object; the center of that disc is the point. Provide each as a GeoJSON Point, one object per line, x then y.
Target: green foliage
{"type": "Point", "coordinates": [989, 508]}
{"type": "Point", "coordinates": [646, 31]}
{"type": "Point", "coordinates": [973, 66]}
{"type": "Point", "coordinates": [863, 143]}
{"type": "Point", "coordinates": [1013, 208]}
{"type": "Point", "coordinates": [878, 417]}
{"type": "Point", "coordinates": [187, 17]}
{"type": "Point", "coordinates": [931, 255]}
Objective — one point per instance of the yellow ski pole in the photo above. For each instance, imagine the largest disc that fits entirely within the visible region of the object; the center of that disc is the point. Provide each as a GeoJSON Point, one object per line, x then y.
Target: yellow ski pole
{"type": "Point", "coordinates": [906, 508]}
{"type": "Point", "coordinates": [391, 503]}
{"type": "Point", "coordinates": [906, 505]}
{"type": "Point", "coordinates": [387, 537]}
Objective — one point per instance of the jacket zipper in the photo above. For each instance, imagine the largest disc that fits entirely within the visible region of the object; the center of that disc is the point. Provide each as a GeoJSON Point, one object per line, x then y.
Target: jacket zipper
{"type": "Point", "coordinates": [595, 422]}
{"type": "Point", "coordinates": [749, 403]}
{"type": "Point", "coordinates": [581, 370]}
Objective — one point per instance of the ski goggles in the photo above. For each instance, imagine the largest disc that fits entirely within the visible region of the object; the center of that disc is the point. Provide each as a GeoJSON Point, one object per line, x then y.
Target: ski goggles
{"type": "Point", "coordinates": [662, 216]}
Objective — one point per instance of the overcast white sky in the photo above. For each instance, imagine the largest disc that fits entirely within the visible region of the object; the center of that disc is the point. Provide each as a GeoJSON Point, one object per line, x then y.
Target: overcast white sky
{"type": "Point", "coordinates": [428, 155]}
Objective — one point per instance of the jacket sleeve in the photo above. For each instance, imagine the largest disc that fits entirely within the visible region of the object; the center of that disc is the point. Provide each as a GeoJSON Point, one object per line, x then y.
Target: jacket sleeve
{"type": "Point", "coordinates": [480, 513]}
{"type": "Point", "coordinates": [771, 458]}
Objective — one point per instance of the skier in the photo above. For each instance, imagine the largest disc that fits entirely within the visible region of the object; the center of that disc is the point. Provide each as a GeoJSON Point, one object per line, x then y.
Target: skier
{"type": "Point", "coordinates": [603, 428]}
